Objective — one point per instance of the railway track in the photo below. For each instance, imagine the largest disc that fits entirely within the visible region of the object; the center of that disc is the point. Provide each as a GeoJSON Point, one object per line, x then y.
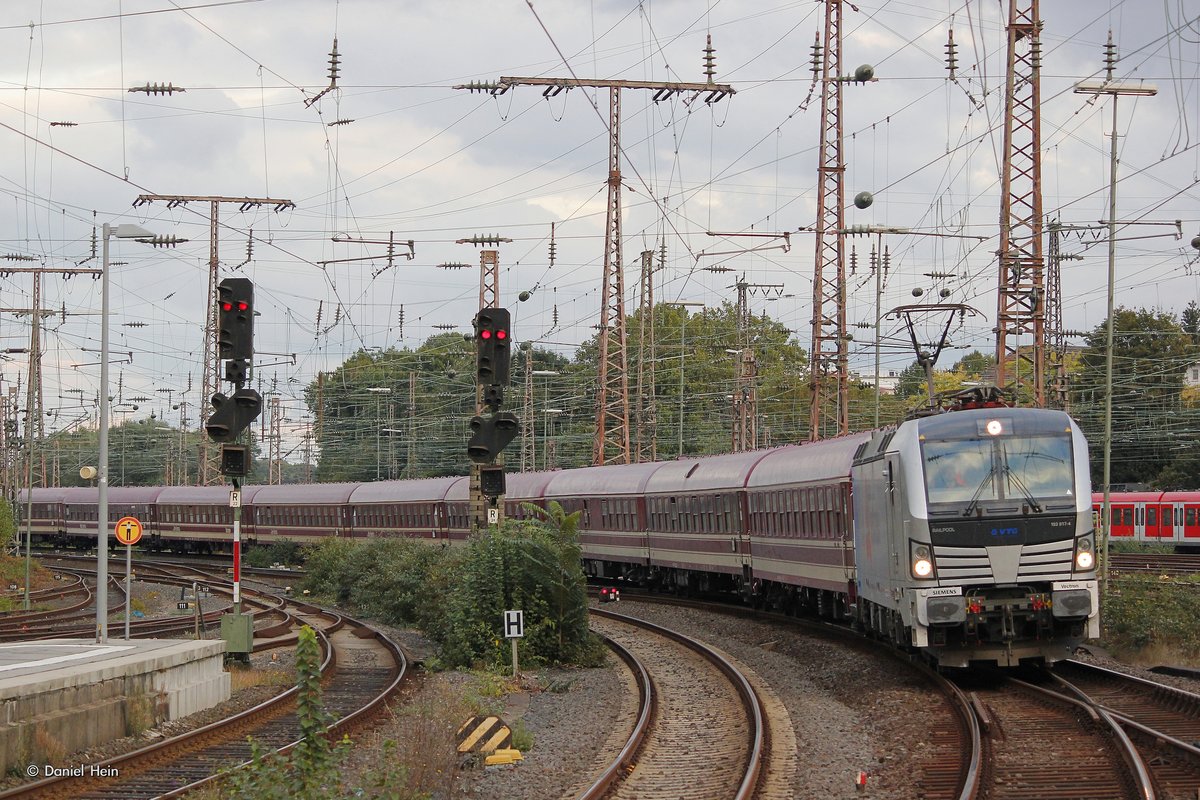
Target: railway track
{"type": "Point", "coordinates": [678, 747]}
{"type": "Point", "coordinates": [1156, 563]}
{"type": "Point", "coordinates": [949, 766]}
{"type": "Point", "coordinates": [1163, 722]}
{"type": "Point", "coordinates": [1046, 744]}
{"type": "Point", "coordinates": [361, 670]}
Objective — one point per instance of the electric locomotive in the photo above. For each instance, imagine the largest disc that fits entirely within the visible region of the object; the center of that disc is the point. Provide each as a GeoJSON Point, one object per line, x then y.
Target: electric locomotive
{"type": "Point", "coordinates": [973, 536]}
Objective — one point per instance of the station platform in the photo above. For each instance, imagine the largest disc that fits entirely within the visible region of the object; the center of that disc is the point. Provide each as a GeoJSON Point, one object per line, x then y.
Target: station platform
{"type": "Point", "coordinates": [66, 695]}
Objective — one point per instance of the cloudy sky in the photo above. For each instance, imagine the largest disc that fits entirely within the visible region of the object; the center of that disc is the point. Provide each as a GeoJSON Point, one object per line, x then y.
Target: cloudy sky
{"type": "Point", "coordinates": [395, 150]}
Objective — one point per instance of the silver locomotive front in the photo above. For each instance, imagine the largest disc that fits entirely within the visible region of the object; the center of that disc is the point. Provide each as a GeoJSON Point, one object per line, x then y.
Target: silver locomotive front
{"type": "Point", "coordinates": [990, 549]}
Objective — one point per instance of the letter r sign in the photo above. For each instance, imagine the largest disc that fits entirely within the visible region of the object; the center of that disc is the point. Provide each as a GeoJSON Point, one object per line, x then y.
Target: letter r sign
{"type": "Point", "coordinates": [514, 624]}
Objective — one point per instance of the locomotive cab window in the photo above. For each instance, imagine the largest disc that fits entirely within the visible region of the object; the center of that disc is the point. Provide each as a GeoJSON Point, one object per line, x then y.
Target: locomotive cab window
{"type": "Point", "coordinates": [1030, 468]}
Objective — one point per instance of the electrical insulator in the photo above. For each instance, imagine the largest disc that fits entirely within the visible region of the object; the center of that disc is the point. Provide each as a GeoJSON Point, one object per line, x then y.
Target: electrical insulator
{"type": "Point", "coordinates": [951, 54]}
{"type": "Point", "coordinates": [1110, 58]}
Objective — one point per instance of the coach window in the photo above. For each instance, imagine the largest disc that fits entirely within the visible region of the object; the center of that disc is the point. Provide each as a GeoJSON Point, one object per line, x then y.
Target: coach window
{"type": "Point", "coordinates": [1151, 517]}
{"type": "Point", "coordinates": [1189, 516]}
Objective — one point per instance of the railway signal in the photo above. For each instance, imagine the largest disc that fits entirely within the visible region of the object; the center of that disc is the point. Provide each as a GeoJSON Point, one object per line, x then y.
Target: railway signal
{"type": "Point", "coordinates": [232, 415]}
{"type": "Point", "coordinates": [235, 319]}
{"type": "Point", "coordinates": [235, 460]}
{"type": "Point", "coordinates": [490, 435]}
{"type": "Point", "coordinates": [493, 336]}
{"type": "Point", "coordinates": [491, 481]}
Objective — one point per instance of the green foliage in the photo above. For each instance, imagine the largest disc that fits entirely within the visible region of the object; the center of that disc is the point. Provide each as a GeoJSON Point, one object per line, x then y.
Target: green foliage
{"type": "Point", "coordinates": [458, 596]}
{"type": "Point", "coordinates": [1152, 432]}
{"type": "Point", "coordinates": [8, 526]}
{"type": "Point", "coordinates": [1153, 614]}
{"type": "Point", "coordinates": [522, 737]}
{"type": "Point", "coordinates": [326, 565]}
{"type": "Point", "coordinates": [284, 552]}
{"type": "Point", "coordinates": [139, 453]}
{"type": "Point", "coordinates": [535, 568]}
{"type": "Point", "coordinates": [310, 770]}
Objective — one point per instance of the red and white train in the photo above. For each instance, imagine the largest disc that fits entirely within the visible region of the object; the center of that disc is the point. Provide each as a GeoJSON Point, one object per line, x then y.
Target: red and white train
{"type": "Point", "coordinates": [1154, 517]}
{"type": "Point", "coordinates": [967, 535]}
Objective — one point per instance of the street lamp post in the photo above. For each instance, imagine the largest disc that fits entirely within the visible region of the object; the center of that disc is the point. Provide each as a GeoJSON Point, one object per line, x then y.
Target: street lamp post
{"type": "Point", "coordinates": [1114, 89]}
{"type": "Point", "coordinates": [121, 232]}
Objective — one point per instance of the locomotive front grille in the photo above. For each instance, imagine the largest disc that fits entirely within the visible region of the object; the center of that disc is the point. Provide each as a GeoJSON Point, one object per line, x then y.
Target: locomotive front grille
{"type": "Point", "coordinates": [960, 566]}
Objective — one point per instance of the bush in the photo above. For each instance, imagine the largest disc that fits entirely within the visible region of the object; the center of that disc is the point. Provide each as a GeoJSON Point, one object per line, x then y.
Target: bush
{"type": "Point", "coordinates": [458, 596]}
{"type": "Point", "coordinates": [1152, 616]}
{"type": "Point", "coordinates": [284, 552]}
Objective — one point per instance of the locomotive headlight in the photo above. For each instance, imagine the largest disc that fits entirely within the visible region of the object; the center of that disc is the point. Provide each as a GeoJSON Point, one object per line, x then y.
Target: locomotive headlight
{"type": "Point", "coordinates": [922, 561]}
{"type": "Point", "coordinates": [1085, 558]}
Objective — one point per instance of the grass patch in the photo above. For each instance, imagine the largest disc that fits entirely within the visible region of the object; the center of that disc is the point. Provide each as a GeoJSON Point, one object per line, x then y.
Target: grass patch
{"type": "Point", "coordinates": [1153, 619]}
{"type": "Point", "coordinates": [243, 677]}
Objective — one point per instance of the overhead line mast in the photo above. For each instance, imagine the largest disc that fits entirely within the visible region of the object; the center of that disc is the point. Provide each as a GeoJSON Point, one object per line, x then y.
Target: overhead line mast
{"type": "Point", "coordinates": [829, 381]}
{"type": "Point", "coordinates": [612, 442]}
{"type": "Point", "coordinates": [1021, 307]}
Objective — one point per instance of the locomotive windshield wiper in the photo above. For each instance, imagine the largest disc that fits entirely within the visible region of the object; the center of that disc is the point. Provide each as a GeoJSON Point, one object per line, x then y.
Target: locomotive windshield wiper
{"type": "Point", "coordinates": [971, 506]}
{"type": "Point", "coordinates": [1020, 484]}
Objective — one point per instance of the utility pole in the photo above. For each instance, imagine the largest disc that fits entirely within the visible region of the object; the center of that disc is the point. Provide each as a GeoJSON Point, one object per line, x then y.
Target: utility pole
{"type": "Point", "coordinates": [1113, 89]}
{"type": "Point", "coordinates": [1021, 308]}
{"type": "Point", "coordinates": [409, 469]}
{"type": "Point", "coordinates": [275, 449]}
{"type": "Point", "coordinates": [829, 381]}
{"type": "Point", "coordinates": [528, 453]}
{"type": "Point", "coordinates": [208, 473]}
{"type": "Point", "coordinates": [645, 409]}
{"type": "Point", "coordinates": [612, 442]}
{"type": "Point", "coordinates": [745, 392]}
{"type": "Point", "coordinates": [34, 416]}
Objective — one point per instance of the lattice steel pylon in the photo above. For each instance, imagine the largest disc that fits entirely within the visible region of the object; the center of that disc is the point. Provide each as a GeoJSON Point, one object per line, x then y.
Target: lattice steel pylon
{"type": "Point", "coordinates": [745, 393]}
{"type": "Point", "coordinates": [1057, 351]}
{"type": "Point", "coordinates": [612, 442]}
{"type": "Point", "coordinates": [645, 407]}
{"type": "Point", "coordinates": [611, 445]}
{"type": "Point", "coordinates": [275, 446]}
{"type": "Point", "coordinates": [1021, 307]}
{"type": "Point", "coordinates": [829, 384]}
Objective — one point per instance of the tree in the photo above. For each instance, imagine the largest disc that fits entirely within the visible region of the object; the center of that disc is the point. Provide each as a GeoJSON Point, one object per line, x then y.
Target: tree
{"type": "Point", "coordinates": [1150, 423]}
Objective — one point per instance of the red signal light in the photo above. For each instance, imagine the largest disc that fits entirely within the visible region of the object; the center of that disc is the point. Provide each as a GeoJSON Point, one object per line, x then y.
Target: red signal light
{"type": "Point", "coordinates": [485, 334]}
{"type": "Point", "coordinates": [243, 305]}
{"type": "Point", "coordinates": [226, 306]}
{"type": "Point", "coordinates": [501, 334]}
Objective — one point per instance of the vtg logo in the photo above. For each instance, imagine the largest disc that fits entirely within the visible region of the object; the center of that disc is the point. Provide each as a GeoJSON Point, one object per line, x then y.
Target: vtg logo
{"type": "Point", "coordinates": [1005, 531]}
